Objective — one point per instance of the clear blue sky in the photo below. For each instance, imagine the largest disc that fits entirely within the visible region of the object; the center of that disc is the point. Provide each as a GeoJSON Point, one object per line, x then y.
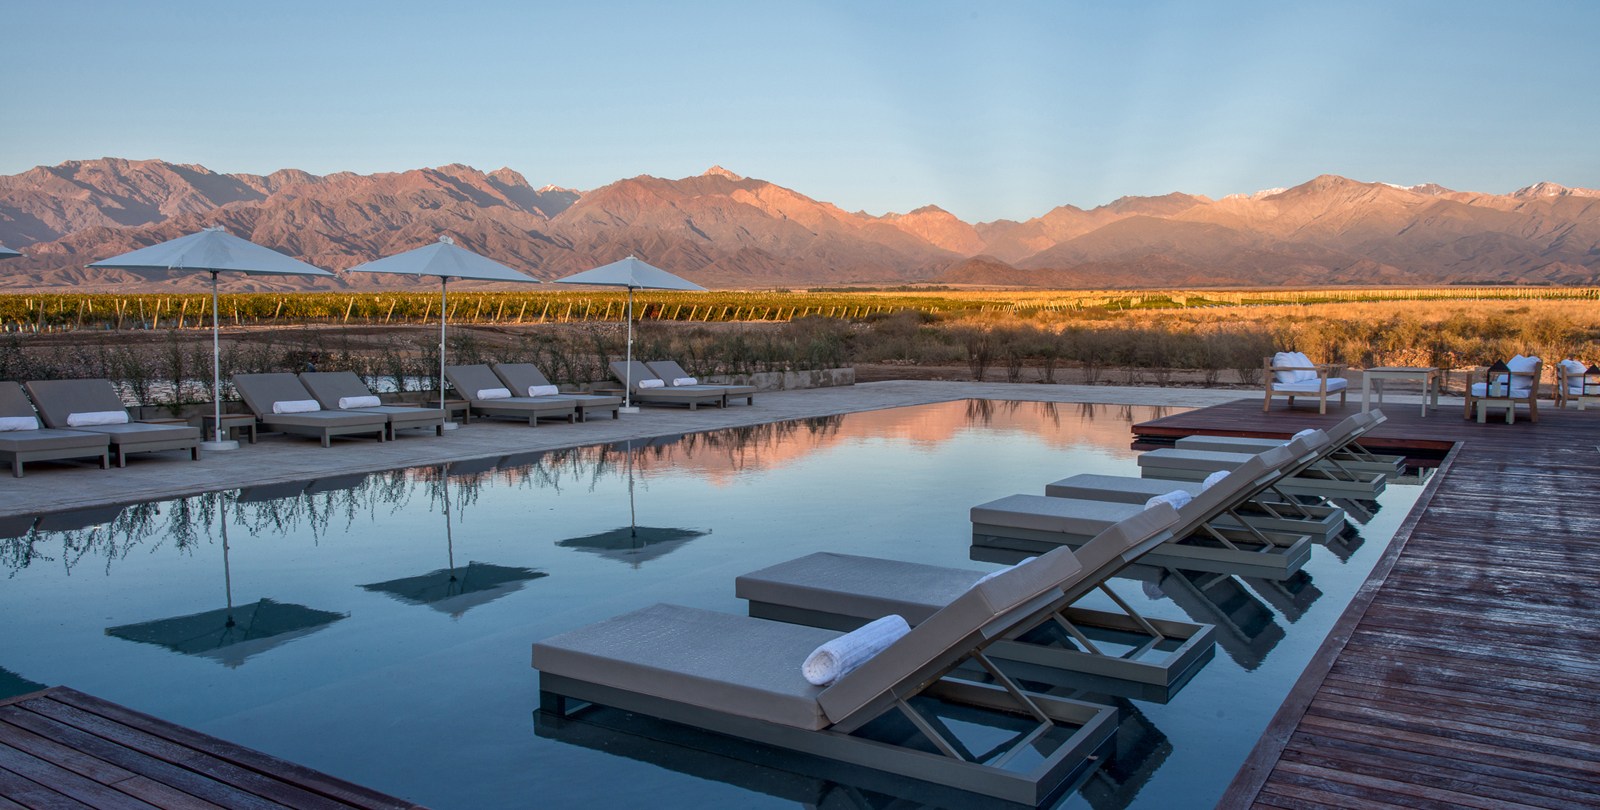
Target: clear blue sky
{"type": "Point", "coordinates": [987, 109]}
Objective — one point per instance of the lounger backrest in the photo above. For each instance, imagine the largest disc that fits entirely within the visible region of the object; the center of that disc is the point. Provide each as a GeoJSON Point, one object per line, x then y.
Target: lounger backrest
{"type": "Point", "coordinates": [620, 370]}
{"type": "Point", "coordinates": [1118, 546]}
{"type": "Point", "coordinates": [986, 611]}
{"type": "Point", "coordinates": [57, 399]}
{"type": "Point", "coordinates": [469, 380]}
{"type": "Point", "coordinates": [668, 370]}
{"type": "Point", "coordinates": [519, 377]}
{"type": "Point", "coordinates": [13, 402]}
{"type": "Point", "coordinates": [1240, 483]}
{"type": "Point", "coordinates": [328, 387]}
{"type": "Point", "coordinates": [260, 391]}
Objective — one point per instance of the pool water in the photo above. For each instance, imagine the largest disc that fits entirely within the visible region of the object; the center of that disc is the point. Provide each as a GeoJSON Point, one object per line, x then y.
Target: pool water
{"type": "Point", "coordinates": [379, 627]}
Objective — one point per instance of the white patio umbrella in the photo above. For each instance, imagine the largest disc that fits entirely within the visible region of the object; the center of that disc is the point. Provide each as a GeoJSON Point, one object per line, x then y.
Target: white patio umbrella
{"type": "Point", "coordinates": [635, 275]}
{"type": "Point", "coordinates": [446, 261]}
{"type": "Point", "coordinates": [213, 251]}
{"type": "Point", "coordinates": [8, 253]}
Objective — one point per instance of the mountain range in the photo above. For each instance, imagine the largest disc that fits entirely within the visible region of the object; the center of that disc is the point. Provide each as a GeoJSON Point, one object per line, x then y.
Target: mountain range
{"type": "Point", "coordinates": [724, 230]}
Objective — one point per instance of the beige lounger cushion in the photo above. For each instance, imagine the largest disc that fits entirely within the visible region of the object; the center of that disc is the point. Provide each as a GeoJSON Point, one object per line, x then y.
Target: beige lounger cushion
{"type": "Point", "coordinates": [858, 586]}
{"type": "Point", "coordinates": [721, 661]}
{"type": "Point", "coordinates": [1046, 514]}
{"type": "Point", "coordinates": [1125, 489]}
{"type": "Point", "coordinates": [1198, 460]}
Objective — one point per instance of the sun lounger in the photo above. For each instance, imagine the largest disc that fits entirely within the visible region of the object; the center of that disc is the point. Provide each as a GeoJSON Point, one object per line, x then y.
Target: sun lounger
{"type": "Point", "coordinates": [269, 396]}
{"type": "Point", "coordinates": [71, 404]}
{"type": "Point", "coordinates": [522, 379]}
{"type": "Point", "coordinates": [741, 676]}
{"type": "Point", "coordinates": [38, 443]}
{"type": "Point", "coordinates": [1269, 509]}
{"type": "Point", "coordinates": [675, 377]}
{"type": "Point", "coordinates": [483, 391]}
{"type": "Point", "coordinates": [1345, 447]}
{"type": "Point", "coordinates": [1322, 476]}
{"type": "Point", "coordinates": [333, 390]}
{"type": "Point", "coordinates": [844, 591]}
{"type": "Point", "coordinates": [640, 378]}
{"type": "Point", "coordinates": [1039, 523]}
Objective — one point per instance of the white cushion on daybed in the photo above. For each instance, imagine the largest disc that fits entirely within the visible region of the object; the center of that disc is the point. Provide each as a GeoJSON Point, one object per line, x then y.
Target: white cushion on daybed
{"type": "Point", "coordinates": [1313, 386]}
{"type": "Point", "coordinates": [1481, 389]}
{"type": "Point", "coordinates": [93, 418]}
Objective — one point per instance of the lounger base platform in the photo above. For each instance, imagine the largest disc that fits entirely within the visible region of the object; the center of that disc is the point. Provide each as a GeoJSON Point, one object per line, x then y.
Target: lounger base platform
{"type": "Point", "coordinates": [522, 409]}
{"type": "Point", "coordinates": [1265, 511]}
{"type": "Point", "coordinates": [20, 447]}
{"type": "Point", "coordinates": [1173, 464]}
{"type": "Point", "coordinates": [1353, 459]}
{"type": "Point", "coordinates": [401, 418]}
{"type": "Point", "coordinates": [340, 423]}
{"type": "Point", "coordinates": [1132, 655]}
{"type": "Point", "coordinates": [748, 686]}
{"type": "Point", "coordinates": [1040, 524]}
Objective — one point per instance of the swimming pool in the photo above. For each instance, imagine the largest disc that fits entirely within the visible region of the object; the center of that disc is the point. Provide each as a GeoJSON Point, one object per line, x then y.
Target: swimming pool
{"type": "Point", "coordinates": [385, 639]}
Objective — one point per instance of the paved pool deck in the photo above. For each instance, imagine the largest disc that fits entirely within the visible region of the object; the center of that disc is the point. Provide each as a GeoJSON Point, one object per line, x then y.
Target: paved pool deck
{"type": "Point", "coordinates": [56, 486]}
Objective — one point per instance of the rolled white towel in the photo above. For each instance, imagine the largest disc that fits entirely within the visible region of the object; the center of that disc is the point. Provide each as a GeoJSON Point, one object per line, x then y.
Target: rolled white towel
{"type": "Point", "coordinates": [10, 423]}
{"type": "Point", "coordinates": [652, 383]}
{"type": "Point", "coordinates": [685, 381]}
{"type": "Point", "coordinates": [1302, 434]}
{"type": "Point", "coordinates": [295, 406]}
{"type": "Point", "coordinates": [92, 418]}
{"type": "Point", "coordinates": [1213, 480]}
{"type": "Point", "coordinates": [1177, 499]}
{"type": "Point", "coordinates": [835, 659]}
{"type": "Point", "coordinates": [543, 390]}
{"type": "Point", "coordinates": [494, 393]}
{"type": "Point", "coordinates": [368, 401]}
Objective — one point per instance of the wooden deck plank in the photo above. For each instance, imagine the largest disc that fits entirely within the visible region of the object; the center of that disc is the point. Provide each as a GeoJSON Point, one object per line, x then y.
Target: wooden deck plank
{"type": "Point", "coordinates": [1464, 673]}
{"type": "Point", "coordinates": [60, 746]}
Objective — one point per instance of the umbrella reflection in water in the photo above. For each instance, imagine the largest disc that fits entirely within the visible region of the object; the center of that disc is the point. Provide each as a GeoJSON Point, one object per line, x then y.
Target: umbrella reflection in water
{"type": "Point", "coordinates": [233, 633]}
{"type": "Point", "coordinates": [635, 544]}
{"type": "Point", "coordinates": [455, 590]}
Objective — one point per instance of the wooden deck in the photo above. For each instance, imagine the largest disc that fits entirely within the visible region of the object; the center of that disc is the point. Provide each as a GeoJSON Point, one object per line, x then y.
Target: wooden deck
{"type": "Point", "coordinates": [1464, 673]}
{"type": "Point", "coordinates": [64, 749]}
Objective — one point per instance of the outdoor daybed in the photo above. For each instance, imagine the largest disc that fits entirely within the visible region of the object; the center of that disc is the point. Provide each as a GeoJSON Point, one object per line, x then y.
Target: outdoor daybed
{"type": "Point", "coordinates": [524, 379]}
{"type": "Point", "coordinates": [1039, 523]}
{"type": "Point", "coordinates": [93, 406]}
{"type": "Point", "coordinates": [283, 404]}
{"type": "Point", "coordinates": [742, 676]}
{"type": "Point", "coordinates": [22, 443]}
{"type": "Point", "coordinates": [652, 390]}
{"type": "Point", "coordinates": [844, 591]}
{"type": "Point", "coordinates": [343, 391]}
{"type": "Point", "coordinates": [674, 376]}
{"type": "Point", "coordinates": [488, 396]}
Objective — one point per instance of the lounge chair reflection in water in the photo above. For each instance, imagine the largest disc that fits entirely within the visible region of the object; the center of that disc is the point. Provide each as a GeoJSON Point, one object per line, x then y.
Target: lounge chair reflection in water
{"type": "Point", "coordinates": [902, 711]}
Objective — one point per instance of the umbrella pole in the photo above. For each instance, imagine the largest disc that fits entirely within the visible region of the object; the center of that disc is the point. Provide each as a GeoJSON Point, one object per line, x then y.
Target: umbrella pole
{"type": "Point", "coordinates": [217, 441]}
{"type": "Point", "coordinates": [627, 370]}
{"type": "Point", "coordinates": [444, 304]}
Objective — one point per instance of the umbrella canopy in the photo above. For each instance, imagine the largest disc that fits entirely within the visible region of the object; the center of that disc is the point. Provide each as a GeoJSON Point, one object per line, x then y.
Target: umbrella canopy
{"type": "Point", "coordinates": [444, 261]}
{"type": "Point", "coordinates": [456, 590]}
{"type": "Point", "coordinates": [213, 251]}
{"type": "Point", "coordinates": [635, 275]}
{"type": "Point", "coordinates": [8, 253]}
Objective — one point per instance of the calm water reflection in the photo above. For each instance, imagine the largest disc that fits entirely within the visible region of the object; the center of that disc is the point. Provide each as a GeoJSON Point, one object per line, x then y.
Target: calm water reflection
{"type": "Point", "coordinates": [289, 617]}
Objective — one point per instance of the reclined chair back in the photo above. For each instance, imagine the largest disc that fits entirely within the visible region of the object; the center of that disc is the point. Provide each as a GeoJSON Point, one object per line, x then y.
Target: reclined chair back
{"type": "Point", "coordinates": [328, 387]}
{"type": "Point", "coordinates": [469, 380]}
{"type": "Point", "coordinates": [632, 373]}
{"type": "Point", "coordinates": [519, 377]}
{"type": "Point", "coordinates": [13, 402]}
{"type": "Point", "coordinates": [261, 391]}
{"type": "Point", "coordinates": [985, 613]}
{"type": "Point", "coordinates": [58, 399]}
